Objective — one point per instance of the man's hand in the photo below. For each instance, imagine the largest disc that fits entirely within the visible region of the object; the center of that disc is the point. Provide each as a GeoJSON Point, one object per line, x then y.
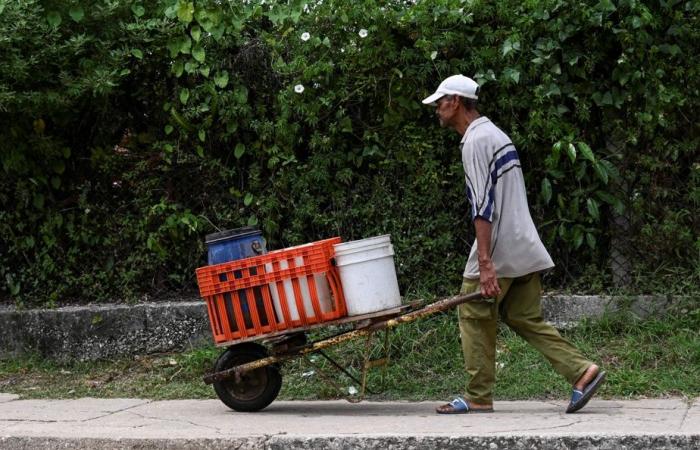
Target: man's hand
{"type": "Point", "coordinates": [487, 271]}
{"type": "Point", "coordinates": [488, 280]}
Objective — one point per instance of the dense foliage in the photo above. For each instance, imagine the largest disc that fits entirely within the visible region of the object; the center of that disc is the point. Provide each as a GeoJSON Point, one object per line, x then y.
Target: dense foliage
{"type": "Point", "coordinates": [130, 129]}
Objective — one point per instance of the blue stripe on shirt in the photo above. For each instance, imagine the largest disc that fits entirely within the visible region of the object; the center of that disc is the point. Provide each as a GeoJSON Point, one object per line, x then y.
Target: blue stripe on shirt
{"type": "Point", "coordinates": [511, 155]}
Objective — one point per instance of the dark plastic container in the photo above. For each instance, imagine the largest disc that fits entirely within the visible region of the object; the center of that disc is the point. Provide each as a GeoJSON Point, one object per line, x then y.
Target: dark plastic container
{"type": "Point", "coordinates": [230, 245]}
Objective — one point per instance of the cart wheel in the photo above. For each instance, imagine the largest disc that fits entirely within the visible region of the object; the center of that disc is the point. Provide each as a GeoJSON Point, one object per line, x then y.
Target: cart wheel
{"type": "Point", "coordinates": [255, 389]}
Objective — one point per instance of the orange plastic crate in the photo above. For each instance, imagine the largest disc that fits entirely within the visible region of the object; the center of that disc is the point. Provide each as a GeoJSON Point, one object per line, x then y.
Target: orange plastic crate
{"type": "Point", "coordinates": [268, 294]}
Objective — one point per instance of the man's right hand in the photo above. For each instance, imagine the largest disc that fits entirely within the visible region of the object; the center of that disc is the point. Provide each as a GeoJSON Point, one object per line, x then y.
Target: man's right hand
{"type": "Point", "coordinates": [488, 280]}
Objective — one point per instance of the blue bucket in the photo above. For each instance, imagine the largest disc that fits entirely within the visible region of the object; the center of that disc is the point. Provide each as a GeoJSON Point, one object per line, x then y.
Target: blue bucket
{"type": "Point", "coordinates": [230, 245]}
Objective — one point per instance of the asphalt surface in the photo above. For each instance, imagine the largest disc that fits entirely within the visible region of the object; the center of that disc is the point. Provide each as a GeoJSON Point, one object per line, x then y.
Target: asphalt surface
{"type": "Point", "coordinates": [141, 423]}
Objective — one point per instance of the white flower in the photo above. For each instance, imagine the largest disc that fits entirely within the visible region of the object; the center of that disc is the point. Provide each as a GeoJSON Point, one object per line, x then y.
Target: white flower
{"type": "Point", "coordinates": [308, 374]}
{"type": "Point", "coordinates": [363, 33]}
{"type": "Point", "coordinates": [299, 88]}
{"type": "Point", "coordinates": [305, 36]}
{"type": "Point", "coordinates": [433, 55]}
{"type": "Point", "coordinates": [352, 390]}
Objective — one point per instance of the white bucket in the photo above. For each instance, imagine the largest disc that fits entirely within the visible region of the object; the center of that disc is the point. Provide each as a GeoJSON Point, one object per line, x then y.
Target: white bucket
{"type": "Point", "coordinates": [323, 290]}
{"type": "Point", "coordinates": [368, 275]}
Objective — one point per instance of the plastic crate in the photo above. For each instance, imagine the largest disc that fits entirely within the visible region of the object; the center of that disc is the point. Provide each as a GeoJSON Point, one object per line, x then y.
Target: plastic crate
{"type": "Point", "coordinates": [267, 294]}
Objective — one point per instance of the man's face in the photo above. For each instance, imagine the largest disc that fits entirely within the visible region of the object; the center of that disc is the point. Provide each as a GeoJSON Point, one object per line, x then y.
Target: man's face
{"type": "Point", "coordinates": [445, 110]}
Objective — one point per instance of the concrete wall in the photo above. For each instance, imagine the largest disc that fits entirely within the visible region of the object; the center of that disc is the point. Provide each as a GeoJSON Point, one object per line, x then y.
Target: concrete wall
{"type": "Point", "coordinates": [108, 331]}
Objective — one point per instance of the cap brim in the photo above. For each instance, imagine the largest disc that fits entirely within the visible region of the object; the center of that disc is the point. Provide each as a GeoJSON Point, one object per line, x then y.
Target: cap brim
{"type": "Point", "coordinates": [433, 98]}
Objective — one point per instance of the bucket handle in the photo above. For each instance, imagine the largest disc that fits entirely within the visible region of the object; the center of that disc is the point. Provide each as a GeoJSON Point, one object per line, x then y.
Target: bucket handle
{"type": "Point", "coordinates": [257, 247]}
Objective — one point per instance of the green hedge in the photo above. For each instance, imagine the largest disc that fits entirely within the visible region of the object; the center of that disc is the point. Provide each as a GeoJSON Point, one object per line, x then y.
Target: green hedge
{"type": "Point", "coordinates": [131, 129]}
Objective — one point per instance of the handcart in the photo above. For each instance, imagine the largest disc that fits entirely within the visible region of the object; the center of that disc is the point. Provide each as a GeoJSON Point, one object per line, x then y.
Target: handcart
{"type": "Point", "coordinates": [261, 310]}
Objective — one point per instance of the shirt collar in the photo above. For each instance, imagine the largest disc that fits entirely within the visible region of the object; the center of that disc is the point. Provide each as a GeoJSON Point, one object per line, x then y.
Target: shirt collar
{"type": "Point", "coordinates": [474, 124]}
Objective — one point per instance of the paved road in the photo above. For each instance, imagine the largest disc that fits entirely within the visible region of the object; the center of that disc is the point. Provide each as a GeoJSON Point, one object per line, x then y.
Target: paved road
{"type": "Point", "coordinates": [138, 423]}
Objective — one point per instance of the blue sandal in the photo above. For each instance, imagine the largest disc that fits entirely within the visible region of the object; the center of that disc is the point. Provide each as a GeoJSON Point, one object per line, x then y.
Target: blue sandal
{"type": "Point", "coordinates": [460, 406]}
{"type": "Point", "coordinates": [580, 398]}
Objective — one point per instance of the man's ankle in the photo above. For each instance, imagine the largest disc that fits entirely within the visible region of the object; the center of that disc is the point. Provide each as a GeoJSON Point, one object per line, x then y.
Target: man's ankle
{"type": "Point", "coordinates": [587, 377]}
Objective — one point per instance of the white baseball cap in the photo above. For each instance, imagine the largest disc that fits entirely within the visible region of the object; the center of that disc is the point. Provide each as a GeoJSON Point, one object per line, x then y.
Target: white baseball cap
{"type": "Point", "coordinates": [454, 85]}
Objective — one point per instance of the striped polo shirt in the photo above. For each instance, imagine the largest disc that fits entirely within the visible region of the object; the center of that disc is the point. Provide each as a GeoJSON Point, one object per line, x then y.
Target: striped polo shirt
{"type": "Point", "coordinates": [496, 192]}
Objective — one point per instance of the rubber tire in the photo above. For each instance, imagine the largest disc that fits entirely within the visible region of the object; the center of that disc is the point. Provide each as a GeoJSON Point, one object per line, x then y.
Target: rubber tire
{"type": "Point", "coordinates": [241, 354]}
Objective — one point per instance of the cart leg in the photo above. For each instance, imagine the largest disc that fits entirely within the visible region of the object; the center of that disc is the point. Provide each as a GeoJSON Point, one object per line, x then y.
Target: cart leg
{"type": "Point", "coordinates": [368, 363]}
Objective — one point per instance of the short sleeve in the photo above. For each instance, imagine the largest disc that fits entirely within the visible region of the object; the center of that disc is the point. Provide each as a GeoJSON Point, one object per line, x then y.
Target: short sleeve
{"type": "Point", "coordinates": [476, 157]}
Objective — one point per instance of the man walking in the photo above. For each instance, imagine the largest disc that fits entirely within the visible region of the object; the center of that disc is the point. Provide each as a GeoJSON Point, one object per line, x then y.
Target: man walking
{"type": "Point", "coordinates": [505, 261]}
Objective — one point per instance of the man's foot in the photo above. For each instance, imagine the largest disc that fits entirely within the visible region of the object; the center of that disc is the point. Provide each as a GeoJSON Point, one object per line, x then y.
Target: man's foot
{"type": "Point", "coordinates": [461, 406]}
{"type": "Point", "coordinates": [585, 387]}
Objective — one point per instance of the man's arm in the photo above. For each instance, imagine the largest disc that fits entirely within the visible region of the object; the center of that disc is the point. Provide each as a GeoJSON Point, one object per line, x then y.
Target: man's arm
{"type": "Point", "coordinates": [487, 272]}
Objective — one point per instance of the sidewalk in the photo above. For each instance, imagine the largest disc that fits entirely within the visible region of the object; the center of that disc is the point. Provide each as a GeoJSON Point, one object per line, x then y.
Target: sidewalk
{"type": "Point", "coordinates": [144, 424]}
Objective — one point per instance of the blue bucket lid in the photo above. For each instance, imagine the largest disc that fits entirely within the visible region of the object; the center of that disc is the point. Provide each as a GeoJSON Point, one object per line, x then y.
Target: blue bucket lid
{"type": "Point", "coordinates": [231, 234]}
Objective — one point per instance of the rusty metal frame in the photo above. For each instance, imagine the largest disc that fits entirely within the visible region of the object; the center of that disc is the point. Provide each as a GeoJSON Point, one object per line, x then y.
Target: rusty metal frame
{"type": "Point", "coordinates": [439, 306]}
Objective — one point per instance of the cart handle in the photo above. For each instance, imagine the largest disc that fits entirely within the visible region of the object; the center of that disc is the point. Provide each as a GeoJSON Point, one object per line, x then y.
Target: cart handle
{"type": "Point", "coordinates": [441, 305]}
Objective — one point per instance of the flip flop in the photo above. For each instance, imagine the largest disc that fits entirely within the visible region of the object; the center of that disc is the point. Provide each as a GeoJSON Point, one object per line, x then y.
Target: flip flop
{"type": "Point", "coordinates": [580, 398]}
{"type": "Point", "coordinates": [461, 406]}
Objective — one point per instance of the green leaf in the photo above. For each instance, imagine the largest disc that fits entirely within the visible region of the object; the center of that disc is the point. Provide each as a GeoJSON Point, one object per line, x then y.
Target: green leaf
{"type": "Point", "coordinates": [610, 168]}
{"type": "Point", "coordinates": [138, 10]}
{"type": "Point", "coordinates": [168, 129]}
{"type": "Point", "coordinates": [53, 18]}
{"type": "Point", "coordinates": [185, 11]}
{"type": "Point", "coordinates": [137, 53]}
{"type": "Point", "coordinates": [198, 54]}
{"type": "Point", "coordinates": [553, 89]}
{"type": "Point", "coordinates": [200, 151]}
{"type": "Point", "coordinates": [202, 135]}
{"type": "Point", "coordinates": [586, 151]}
{"type": "Point", "coordinates": [185, 45]}
{"type": "Point", "coordinates": [76, 13]}
{"type": "Point", "coordinates": [124, 72]}
{"type": "Point", "coordinates": [252, 221]}
{"type": "Point", "coordinates": [196, 33]}
{"type": "Point", "coordinates": [184, 95]}
{"type": "Point", "coordinates": [509, 46]}
{"type": "Point", "coordinates": [512, 74]}
{"type": "Point", "coordinates": [55, 182]}
{"type": "Point", "coordinates": [546, 190]}
{"type": "Point", "coordinates": [204, 70]}
{"type": "Point", "coordinates": [248, 199]}
{"type": "Point", "coordinates": [221, 79]}
{"type": "Point", "coordinates": [601, 172]}
{"type": "Point", "coordinates": [590, 240]}
{"type": "Point", "coordinates": [556, 151]}
{"type": "Point", "coordinates": [239, 151]}
{"type": "Point", "coordinates": [578, 237]}
{"type": "Point", "coordinates": [571, 151]}
{"type": "Point", "coordinates": [592, 206]}
{"type": "Point", "coordinates": [178, 68]}
{"type": "Point", "coordinates": [606, 6]}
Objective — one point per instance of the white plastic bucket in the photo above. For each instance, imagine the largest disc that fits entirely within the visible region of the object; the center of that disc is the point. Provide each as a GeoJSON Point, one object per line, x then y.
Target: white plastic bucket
{"type": "Point", "coordinates": [323, 290]}
{"type": "Point", "coordinates": [367, 272]}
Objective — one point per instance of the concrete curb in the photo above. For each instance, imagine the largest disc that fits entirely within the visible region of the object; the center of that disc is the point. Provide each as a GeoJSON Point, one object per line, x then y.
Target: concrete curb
{"type": "Point", "coordinates": [107, 331]}
{"type": "Point", "coordinates": [624, 442]}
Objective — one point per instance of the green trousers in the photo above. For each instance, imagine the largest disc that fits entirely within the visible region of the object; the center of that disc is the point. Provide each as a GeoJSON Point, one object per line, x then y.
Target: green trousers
{"type": "Point", "coordinates": [519, 306]}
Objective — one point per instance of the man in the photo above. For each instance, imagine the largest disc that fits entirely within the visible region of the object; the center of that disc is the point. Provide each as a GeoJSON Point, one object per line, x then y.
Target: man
{"type": "Point", "coordinates": [506, 259]}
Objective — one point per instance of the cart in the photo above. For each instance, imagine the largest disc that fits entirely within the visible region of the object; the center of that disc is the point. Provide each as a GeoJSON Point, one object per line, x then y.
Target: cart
{"type": "Point", "coordinates": [247, 375]}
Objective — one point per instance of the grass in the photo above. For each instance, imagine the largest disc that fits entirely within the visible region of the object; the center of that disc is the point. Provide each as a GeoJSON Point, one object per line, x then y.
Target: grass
{"type": "Point", "coordinates": [659, 357]}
